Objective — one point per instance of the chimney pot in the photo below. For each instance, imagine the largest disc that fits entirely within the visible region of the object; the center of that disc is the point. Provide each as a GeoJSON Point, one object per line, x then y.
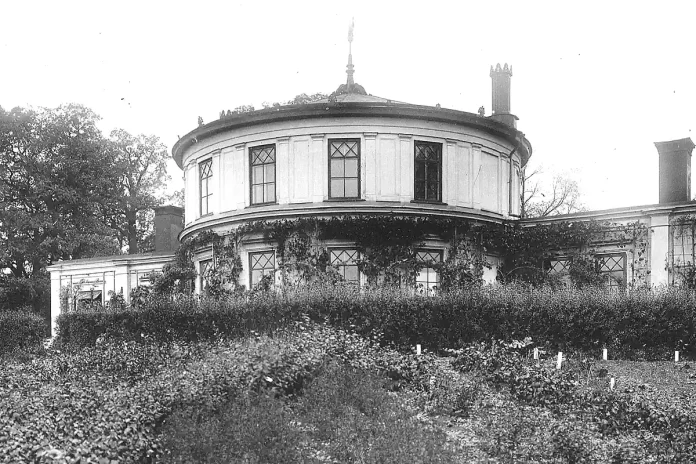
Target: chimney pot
{"type": "Point", "coordinates": [500, 77]}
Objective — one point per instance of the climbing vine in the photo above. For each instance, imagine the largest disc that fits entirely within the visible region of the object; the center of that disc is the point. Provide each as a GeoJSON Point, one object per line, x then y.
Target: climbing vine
{"type": "Point", "coordinates": [681, 257]}
{"type": "Point", "coordinates": [388, 247]}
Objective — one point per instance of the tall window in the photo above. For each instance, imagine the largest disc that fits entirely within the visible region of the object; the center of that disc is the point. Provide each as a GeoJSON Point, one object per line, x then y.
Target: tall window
{"type": "Point", "coordinates": [613, 270]}
{"type": "Point", "coordinates": [428, 279]}
{"type": "Point", "coordinates": [263, 174]}
{"type": "Point", "coordinates": [346, 261]}
{"type": "Point", "coordinates": [260, 264]}
{"type": "Point", "coordinates": [205, 267]}
{"type": "Point", "coordinates": [428, 171]}
{"type": "Point", "coordinates": [205, 170]}
{"type": "Point", "coordinates": [344, 168]}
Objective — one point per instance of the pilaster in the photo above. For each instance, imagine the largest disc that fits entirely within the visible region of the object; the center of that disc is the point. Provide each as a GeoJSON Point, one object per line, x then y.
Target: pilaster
{"type": "Point", "coordinates": [283, 179]}
{"type": "Point", "coordinates": [318, 180]}
{"type": "Point", "coordinates": [369, 167]}
{"type": "Point", "coordinates": [406, 155]}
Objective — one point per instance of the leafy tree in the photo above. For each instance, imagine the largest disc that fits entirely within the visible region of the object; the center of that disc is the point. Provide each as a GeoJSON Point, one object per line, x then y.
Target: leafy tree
{"type": "Point", "coordinates": [141, 164]}
{"type": "Point", "coordinates": [56, 177]}
{"type": "Point", "coordinates": [562, 197]}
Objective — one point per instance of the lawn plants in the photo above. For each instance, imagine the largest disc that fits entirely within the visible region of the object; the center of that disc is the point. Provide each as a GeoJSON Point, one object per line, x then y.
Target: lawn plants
{"type": "Point", "coordinates": [666, 429]}
{"type": "Point", "coordinates": [111, 402]}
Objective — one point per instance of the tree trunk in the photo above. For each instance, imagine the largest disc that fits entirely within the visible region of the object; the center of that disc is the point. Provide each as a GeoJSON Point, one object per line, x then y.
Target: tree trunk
{"type": "Point", "coordinates": [132, 232]}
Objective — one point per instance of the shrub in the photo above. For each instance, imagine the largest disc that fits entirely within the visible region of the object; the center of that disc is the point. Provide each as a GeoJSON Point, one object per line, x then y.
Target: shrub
{"type": "Point", "coordinates": [21, 329]}
{"type": "Point", "coordinates": [250, 428]}
{"type": "Point", "coordinates": [571, 319]}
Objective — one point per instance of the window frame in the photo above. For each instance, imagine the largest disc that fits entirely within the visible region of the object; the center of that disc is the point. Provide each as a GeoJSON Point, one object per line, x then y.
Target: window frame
{"type": "Point", "coordinates": [624, 271]}
{"type": "Point", "coordinates": [439, 145]}
{"type": "Point", "coordinates": [207, 180]}
{"type": "Point", "coordinates": [331, 250]}
{"type": "Point", "coordinates": [251, 175]}
{"type": "Point", "coordinates": [359, 174]}
{"type": "Point", "coordinates": [428, 265]}
{"type": "Point", "coordinates": [251, 267]}
{"type": "Point", "coordinates": [203, 266]}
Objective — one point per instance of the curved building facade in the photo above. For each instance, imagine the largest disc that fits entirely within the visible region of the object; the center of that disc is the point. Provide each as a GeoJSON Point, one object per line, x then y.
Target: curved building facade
{"type": "Point", "coordinates": [352, 154]}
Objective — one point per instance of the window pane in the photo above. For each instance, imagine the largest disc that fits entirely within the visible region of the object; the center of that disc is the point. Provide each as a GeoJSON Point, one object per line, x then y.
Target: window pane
{"type": "Point", "coordinates": [204, 188]}
{"type": "Point", "coordinates": [257, 175]}
{"type": "Point", "coordinates": [270, 172]}
{"type": "Point", "coordinates": [270, 192]}
{"type": "Point", "coordinates": [433, 173]}
{"type": "Point", "coordinates": [420, 171]}
{"type": "Point", "coordinates": [257, 194]}
{"type": "Point", "coordinates": [337, 168]}
{"type": "Point", "coordinates": [337, 188]}
{"type": "Point", "coordinates": [433, 192]}
{"type": "Point", "coordinates": [351, 187]}
{"type": "Point", "coordinates": [256, 277]}
{"type": "Point", "coordinates": [420, 190]}
{"type": "Point", "coordinates": [351, 168]}
{"type": "Point", "coordinates": [351, 274]}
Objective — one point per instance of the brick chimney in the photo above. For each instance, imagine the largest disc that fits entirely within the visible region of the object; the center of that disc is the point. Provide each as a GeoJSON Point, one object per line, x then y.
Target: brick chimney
{"type": "Point", "coordinates": [169, 221]}
{"type": "Point", "coordinates": [675, 170]}
{"type": "Point", "coordinates": [501, 95]}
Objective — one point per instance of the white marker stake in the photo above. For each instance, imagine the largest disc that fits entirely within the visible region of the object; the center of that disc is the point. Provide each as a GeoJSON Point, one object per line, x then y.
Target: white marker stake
{"type": "Point", "coordinates": [604, 354]}
{"type": "Point", "coordinates": [612, 383]}
{"type": "Point", "coordinates": [536, 353]}
{"type": "Point", "coordinates": [559, 360]}
{"type": "Point", "coordinates": [676, 356]}
{"type": "Point", "coordinates": [418, 350]}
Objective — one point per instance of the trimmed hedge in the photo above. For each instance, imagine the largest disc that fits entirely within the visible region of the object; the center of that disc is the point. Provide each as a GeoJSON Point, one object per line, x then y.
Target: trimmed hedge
{"type": "Point", "coordinates": [178, 319]}
{"type": "Point", "coordinates": [662, 319]}
{"type": "Point", "coordinates": [21, 329]}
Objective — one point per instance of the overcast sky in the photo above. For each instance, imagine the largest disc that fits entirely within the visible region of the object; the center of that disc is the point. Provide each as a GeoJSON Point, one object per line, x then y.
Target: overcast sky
{"type": "Point", "coordinates": [594, 83]}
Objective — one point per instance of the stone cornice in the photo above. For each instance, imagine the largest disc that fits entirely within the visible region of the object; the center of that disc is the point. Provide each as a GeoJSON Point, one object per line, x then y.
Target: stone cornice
{"type": "Point", "coordinates": [363, 208]}
{"type": "Point", "coordinates": [353, 109]}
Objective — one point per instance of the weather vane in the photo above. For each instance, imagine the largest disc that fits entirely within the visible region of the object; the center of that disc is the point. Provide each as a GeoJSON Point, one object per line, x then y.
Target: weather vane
{"type": "Point", "coordinates": [349, 69]}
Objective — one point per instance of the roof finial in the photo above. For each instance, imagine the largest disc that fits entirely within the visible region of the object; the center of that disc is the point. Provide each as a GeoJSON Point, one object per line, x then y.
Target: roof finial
{"type": "Point", "coordinates": [349, 70]}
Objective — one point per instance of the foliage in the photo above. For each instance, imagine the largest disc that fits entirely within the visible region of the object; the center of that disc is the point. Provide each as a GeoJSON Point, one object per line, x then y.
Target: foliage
{"type": "Point", "coordinates": [57, 176]}
{"type": "Point", "coordinates": [21, 329]}
{"type": "Point", "coordinates": [388, 249]}
{"type": "Point", "coordinates": [682, 265]}
{"type": "Point", "coordinates": [33, 293]}
{"type": "Point", "coordinates": [110, 401]}
{"type": "Point", "coordinates": [590, 318]}
{"type": "Point", "coordinates": [611, 411]}
{"type": "Point", "coordinates": [463, 267]}
{"type": "Point", "coordinates": [141, 165]}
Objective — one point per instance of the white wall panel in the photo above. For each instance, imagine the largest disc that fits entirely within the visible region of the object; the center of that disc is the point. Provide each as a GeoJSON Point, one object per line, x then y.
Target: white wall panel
{"type": "Point", "coordinates": [283, 170]}
{"type": "Point", "coordinates": [463, 176]}
{"type": "Point", "coordinates": [239, 176]}
{"type": "Point", "coordinates": [389, 169]}
{"type": "Point", "coordinates": [369, 168]}
{"type": "Point", "coordinates": [489, 182]}
{"type": "Point", "coordinates": [299, 171]}
{"type": "Point", "coordinates": [228, 202]}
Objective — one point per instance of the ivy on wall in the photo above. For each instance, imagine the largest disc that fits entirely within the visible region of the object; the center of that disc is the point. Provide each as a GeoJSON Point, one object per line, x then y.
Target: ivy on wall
{"type": "Point", "coordinates": [388, 248]}
{"type": "Point", "coordinates": [680, 261]}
